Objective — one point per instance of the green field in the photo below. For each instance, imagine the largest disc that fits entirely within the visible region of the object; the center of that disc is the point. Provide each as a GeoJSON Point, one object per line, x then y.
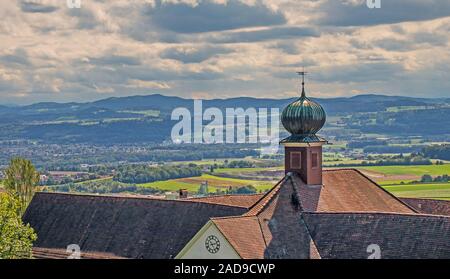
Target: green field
{"type": "Point", "coordinates": [433, 170]}
{"type": "Point", "coordinates": [432, 190]}
{"type": "Point", "coordinates": [245, 170]}
{"type": "Point", "coordinates": [215, 183]}
{"type": "Point", "coordinates": [172, 185]}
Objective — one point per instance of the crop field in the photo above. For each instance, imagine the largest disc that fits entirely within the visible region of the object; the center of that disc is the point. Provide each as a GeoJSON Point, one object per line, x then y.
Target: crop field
{"type": "Point", "coordinates": [410, 170]}
{"type": "Point", "coordinates": [389, 175]}
{"type": "Point", "coordinates": [215, 183]}
{"type": "Point", "coordinates": [432, 190]}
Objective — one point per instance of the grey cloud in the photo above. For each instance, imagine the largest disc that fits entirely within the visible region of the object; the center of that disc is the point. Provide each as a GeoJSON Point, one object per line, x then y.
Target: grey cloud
{"type": "Point", "coordinates": [32, 7]}
{"type": "Point", "coordinates": [342, 13]}
{"type": "Point", "coordinates": [274, 33]}
{"type": "Point", "coordinates": [368, 72]}
{"type": "Point", "coordinates": [86, 18]}
{"type": "Point", "coordinates": [209, 16]}
{"type": "Point", "coordinates": [115, 60]}
{"type": "Point", "coordinates": [193, 56]}
{"type": "Point", "coordinates": [20, 57]}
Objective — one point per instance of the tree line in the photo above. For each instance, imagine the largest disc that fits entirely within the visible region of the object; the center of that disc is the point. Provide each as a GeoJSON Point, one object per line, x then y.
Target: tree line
{"type": "Point", "coordinates": [145, 174]}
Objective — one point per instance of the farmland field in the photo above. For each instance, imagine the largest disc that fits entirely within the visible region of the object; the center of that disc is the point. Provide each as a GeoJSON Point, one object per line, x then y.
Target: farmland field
{"type": "Point", "coordinates": [192, 184]}
{"type": "Point", "coordinates": [410, 170]}
{"type": "Point", "coordinates": [432, 190]}
{"type": "Point", "coordinates": [388, 175]}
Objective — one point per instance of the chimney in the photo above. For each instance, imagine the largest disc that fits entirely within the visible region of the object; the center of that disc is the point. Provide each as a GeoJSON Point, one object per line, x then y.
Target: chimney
{"type": "Point", "coordinates": [183, 194]}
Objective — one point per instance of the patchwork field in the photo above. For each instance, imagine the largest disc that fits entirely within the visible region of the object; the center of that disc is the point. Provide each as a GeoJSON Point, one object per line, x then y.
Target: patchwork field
{"type": "Point", "coordinates": [386, 175]}
{"type": "Point", "coordinates": [396, 180]}
{"type": "Point", "coordinates": [215, 183]}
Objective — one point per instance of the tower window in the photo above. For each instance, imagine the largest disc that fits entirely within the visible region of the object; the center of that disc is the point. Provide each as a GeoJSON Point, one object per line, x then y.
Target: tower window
{"type": "Point", "coordinates": [296, 160]}
{"type": "Point", "coordinates": [314, 160]}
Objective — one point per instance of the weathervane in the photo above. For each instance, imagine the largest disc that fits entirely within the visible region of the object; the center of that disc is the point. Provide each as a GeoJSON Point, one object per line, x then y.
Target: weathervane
{"type": "Point", "coordinates": [303, 74]}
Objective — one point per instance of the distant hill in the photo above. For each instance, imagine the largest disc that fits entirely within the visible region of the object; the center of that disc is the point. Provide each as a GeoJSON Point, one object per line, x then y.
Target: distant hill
{"type": "Point", "coordinates": [147, 118]}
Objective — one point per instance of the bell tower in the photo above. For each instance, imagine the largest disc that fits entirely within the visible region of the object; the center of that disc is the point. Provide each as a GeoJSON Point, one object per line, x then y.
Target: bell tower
{"type": "Point", "coordinates": [303, 148]}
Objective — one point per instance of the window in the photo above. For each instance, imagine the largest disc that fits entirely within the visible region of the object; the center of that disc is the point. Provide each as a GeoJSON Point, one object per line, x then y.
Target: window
{"type": "Point", "coordinates": [314, 160]}
{"type": "Point", "coordinates": [296, 160]}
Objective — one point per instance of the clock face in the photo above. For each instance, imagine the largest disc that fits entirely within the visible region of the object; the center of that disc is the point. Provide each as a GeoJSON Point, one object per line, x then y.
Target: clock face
{"type": "Point", "coordinates": [212, 244]}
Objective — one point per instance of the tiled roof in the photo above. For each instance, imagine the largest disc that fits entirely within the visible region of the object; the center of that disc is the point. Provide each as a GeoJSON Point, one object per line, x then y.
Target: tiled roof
{"type": "Point", "coordinates": [349, 190]}
{"type": "Point", "coordinates": [244, 234]}
{"type": "Point", "coordinates": [244, 201]}
{"type": "Point", "coordinates": [47, 253]}
{"type": "Point", "coordinates": [293, 220]}
{"type": "Point", "coordinates": [279, 214]}
{"type": "Point", "coordinates": [428, 206]}
{"type": "Point", "coordinates": [398, 236]}
{"type": "Point", "coordinates": [125, 226]}
{"type": "Point", "coordinates": [278, 231]}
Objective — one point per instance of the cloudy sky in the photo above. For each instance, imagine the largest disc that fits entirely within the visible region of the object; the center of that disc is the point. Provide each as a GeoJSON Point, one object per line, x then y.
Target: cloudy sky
{"type": "Point", "coordinates": [221, 48]}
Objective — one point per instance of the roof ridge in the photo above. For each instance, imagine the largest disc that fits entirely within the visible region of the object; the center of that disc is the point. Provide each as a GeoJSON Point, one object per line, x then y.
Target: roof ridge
{"type": "Point", "coordinates": [226, 195]}
{"type": "Point", "coordinates": [270, 194]}
{"type": "Point", "coordinates": [232, 217]}
{"type": "Point", "coordinates": [303, 221]}
{"type": "Point", "coordinates": [137, 198]}
{"type": "Point", "coordinates": [375, 213]}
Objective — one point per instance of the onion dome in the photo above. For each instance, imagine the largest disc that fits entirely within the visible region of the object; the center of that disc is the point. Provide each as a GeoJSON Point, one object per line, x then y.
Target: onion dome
{"type": "Point", "coordinates": [303, 118]}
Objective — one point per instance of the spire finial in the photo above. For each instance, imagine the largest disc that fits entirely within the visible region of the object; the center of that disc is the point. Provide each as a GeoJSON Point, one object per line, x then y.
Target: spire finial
{"type": "Point", "coordinates": [303, 74]}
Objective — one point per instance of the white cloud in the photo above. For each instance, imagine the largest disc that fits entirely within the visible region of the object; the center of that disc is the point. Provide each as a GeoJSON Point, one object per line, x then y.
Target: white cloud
{"type": "Point", "coordinates": [118, 48]}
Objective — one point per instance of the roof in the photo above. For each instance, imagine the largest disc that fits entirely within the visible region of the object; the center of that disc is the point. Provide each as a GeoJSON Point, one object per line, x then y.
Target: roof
{"type": "Point", "coordinates": [124, 226]}
{"type": "Point", "coordinates": [399, 236]}
{"type": "Point", "coordinates": [244, 234]}
{"type": "Point", "coordinates": [244, 201]}
{"type": "Point", "coordinates": [291, 221]}
{"type": "Point", "coordinates": [270, 229]}
{"type": "Point", "coordinates": [295, 220]}
{"type": "Point", "coordinates": [47, 253]}
{"type": "Point", "coordinates": [428, 206]}
{"type": "Point", "coordinates": [349, 190]}
{"type": "Point", "coordinates": [343, 190]}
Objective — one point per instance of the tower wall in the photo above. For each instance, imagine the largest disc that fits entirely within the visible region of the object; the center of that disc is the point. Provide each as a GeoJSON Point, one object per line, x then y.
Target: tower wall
{"type": "Point", "coordinates": [306, 161]}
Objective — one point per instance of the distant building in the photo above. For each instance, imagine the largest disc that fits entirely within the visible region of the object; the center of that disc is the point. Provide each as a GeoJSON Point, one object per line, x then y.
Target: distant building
{"type": "Point", "coordinates": [310, 213]}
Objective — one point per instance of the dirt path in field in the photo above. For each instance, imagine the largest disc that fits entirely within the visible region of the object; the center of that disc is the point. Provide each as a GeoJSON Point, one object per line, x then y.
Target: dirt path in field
{"type": "Point", "coordinates": [378, 176]}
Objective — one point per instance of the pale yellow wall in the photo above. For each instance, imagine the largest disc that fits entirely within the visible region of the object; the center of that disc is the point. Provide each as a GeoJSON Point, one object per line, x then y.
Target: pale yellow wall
{"type": "Point", "coordinates": [196, 248]}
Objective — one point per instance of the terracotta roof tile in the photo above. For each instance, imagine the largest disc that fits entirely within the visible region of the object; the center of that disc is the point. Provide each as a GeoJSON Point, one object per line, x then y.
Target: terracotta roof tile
{"type": "Point", "coordinates": [349, 190]}
{"type": "Point", "coordinates": [244, 234]}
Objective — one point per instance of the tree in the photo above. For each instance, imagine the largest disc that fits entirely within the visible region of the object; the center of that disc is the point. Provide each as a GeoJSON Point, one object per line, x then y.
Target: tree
{"type": "Point", "coordinates": [16, 238]}
{"type": "Point", "coordinates": [426, 178]}
{"type": "Point", "coordinates": [21, 180]}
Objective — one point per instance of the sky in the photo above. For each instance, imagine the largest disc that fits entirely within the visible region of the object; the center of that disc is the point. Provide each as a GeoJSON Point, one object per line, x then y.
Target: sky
{"type": "Point", "coordinates": [221, 48]}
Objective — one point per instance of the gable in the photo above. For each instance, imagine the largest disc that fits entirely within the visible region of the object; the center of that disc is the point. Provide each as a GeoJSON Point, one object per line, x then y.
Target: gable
{"type": "Point", "coordinates": [208, 243]}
